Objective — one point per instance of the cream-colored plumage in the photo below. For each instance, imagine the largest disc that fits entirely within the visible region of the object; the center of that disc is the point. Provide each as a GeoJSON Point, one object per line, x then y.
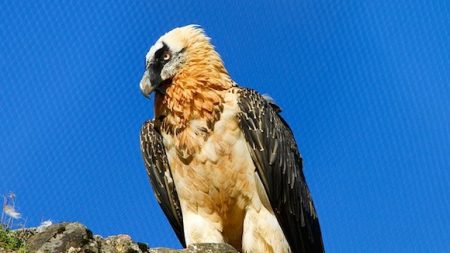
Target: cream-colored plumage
{"type": "Point", "coordinates": [206, 173]}
{"type": "Point", "coordinates": [218, 188]}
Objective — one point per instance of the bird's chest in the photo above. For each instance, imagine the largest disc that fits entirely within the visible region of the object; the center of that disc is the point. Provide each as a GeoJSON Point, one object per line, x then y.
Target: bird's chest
{"type": "Point", "coordinates": [216, 177]}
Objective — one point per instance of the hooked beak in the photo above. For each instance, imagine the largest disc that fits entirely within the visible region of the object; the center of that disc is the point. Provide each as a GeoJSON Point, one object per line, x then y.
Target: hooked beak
{"type": "Point", "coordinates": [149, 83]}
{"type": "Point", "coordinates": [145, 85]}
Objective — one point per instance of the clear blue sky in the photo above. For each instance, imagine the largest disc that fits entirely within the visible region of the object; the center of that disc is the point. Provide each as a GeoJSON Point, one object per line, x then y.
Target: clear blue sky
{"type": "Point", "coordinates": [364, 84]}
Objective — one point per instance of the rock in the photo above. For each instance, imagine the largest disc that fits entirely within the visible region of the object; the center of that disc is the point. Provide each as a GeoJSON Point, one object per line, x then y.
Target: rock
{"type": "Point", "coordinates": [63, 237]}
{"type": "Point", "coordinates": [199, 248]}
{"type": "Point", "coordinates": [75, 238]}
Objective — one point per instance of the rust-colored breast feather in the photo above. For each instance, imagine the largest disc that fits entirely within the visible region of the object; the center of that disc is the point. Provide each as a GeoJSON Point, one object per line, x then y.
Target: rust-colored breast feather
{"type": "Point", "coordinates": [195, 93]}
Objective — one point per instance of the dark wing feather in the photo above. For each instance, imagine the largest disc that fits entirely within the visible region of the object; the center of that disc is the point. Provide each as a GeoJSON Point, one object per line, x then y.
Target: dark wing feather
{"type": "Point", "coordinates": [158, 170]}
{"type": "Point", "coordinates": [280, 167]}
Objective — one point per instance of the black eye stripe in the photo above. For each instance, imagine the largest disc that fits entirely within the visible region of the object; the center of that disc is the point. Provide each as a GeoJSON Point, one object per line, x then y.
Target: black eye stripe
{"type": "Point", "coordinates": [159, 54]}
{"type": "Point", "coordinates": [158, 58]}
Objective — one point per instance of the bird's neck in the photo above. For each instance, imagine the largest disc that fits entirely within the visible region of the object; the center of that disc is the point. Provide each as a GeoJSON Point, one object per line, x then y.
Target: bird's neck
{"type": "Point", "coordinates": [196, 95]}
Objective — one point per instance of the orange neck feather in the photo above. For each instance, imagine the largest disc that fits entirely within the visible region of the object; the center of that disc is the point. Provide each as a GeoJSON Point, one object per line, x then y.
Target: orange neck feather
{"type": "Point", "coordinates": [196, 92]}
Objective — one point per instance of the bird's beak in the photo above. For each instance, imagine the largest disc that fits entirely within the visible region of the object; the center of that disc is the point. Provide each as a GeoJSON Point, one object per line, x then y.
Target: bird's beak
{"type": "Point", "coordinates": [146, 87]}
{"type": "Point", "coordinates": [150, 82]}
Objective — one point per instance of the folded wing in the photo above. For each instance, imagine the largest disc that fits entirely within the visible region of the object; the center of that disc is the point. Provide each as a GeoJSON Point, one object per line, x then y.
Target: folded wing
{"type": "Point", "coordinates": [279, 165]}
{"type": "Point", "coordinates": [158, 170]}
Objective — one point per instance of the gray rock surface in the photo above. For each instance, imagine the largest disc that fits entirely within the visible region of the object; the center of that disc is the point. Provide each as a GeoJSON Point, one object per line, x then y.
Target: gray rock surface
{"type": "Point", "coordinates": [75, 237]}
{"type": "Point", "coordinates": [199, 248]}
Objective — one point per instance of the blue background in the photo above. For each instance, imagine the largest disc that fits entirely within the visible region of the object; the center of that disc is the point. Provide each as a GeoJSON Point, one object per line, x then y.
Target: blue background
{"type": "Point", "coordinates": [364, 84]}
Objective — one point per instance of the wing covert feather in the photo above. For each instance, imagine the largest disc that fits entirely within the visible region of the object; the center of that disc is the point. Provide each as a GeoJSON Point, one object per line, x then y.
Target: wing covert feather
{"type": "Point", "coordinates": [279, 165]}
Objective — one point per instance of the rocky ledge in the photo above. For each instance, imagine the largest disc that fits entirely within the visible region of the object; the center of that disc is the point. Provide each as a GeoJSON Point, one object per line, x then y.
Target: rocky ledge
{"type": "Point", "coordinates": [75, 237]}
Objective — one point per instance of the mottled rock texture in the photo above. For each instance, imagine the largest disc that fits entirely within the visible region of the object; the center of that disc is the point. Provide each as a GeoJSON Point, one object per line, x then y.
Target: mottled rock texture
{"type": "Point", "coordinates": [199, 248]}
{"type": "Point", "coordinates": [75, 237]}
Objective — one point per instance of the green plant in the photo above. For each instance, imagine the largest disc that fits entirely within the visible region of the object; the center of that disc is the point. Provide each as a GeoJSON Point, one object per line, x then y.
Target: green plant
{"type": "Point", "coordinates": [8, 241]}
{"type": "Point", "coordinates": [8, 238]}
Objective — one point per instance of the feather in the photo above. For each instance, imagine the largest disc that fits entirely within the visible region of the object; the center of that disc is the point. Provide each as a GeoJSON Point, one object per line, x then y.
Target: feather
{"type": "Point", "coordinates": [158, 170]}
{"type": "Point", "coordinates": [279, 166]}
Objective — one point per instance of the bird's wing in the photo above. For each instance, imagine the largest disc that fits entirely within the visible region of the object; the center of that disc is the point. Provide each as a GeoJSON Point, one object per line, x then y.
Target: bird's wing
{"type": "Point", "coordinates": [158, 170]}
{"type": "Point", "coordinates": [279, 165]}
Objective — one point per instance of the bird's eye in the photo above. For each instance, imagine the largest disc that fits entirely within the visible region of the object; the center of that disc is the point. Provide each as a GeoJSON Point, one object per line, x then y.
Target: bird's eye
{"type": "Point", "coordinates": [166, 56]}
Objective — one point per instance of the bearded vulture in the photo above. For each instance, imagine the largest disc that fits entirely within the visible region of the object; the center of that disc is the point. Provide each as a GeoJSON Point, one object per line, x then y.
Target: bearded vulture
{"type": "Point", "coordinates": [224, 165]}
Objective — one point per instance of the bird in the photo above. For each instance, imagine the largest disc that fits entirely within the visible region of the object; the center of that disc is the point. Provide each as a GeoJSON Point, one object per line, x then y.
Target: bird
{"type": "Point", "coordinates": [223, 163]}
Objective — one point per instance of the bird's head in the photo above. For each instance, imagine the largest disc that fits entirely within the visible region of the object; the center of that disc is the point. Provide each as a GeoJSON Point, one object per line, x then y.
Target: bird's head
{"type": "Point", "coordinates": [176, 53]}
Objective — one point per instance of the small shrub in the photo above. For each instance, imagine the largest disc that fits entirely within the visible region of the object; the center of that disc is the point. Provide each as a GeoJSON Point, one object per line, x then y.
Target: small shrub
{"type": "Point", "coordinates": [8, 241]}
